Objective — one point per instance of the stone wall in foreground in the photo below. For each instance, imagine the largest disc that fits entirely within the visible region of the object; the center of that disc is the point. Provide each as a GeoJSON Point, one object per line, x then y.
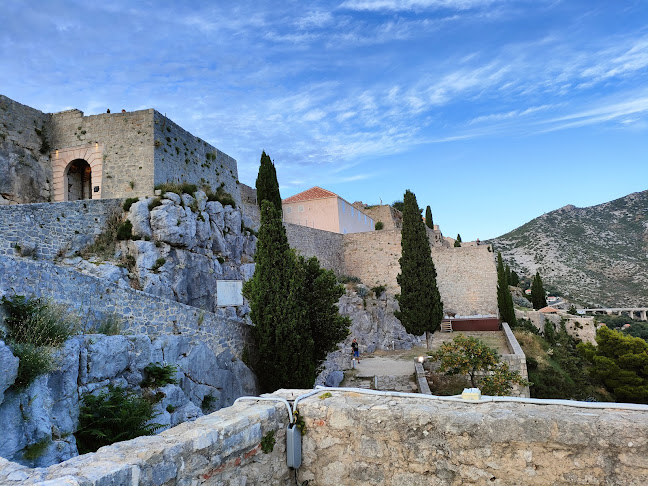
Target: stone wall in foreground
{"type": "Point", "coordinates": [369, 440]}
{"type": "Point", "coordinates": [353, 438]}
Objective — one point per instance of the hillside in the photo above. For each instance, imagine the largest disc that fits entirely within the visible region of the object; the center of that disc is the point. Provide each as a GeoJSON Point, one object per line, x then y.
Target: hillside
{"type": "Point", "coordinates": [595, 256]}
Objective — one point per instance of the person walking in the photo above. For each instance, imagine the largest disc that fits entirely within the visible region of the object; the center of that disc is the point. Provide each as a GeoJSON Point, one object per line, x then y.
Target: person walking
{"type": "Point", "coordinates": [354, 348]}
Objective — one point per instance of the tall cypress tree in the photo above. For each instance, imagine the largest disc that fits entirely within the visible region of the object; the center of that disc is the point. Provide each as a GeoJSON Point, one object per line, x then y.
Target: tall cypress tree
{"type": "Point", "coordinates": [504, 297]}
{"type": "Point", "coordinates": [457, 242]}
{"type": "Point", "coordinates": [538, 296]}
{"type": "Point", "coordinates": [421, 309]}
{"type": "Point", "coordinates": [283, 343]}
{"type": "Point", "coordinates": [428, 218]}
{"type": "Point", "coordinates": [515, 279]}
{"type": "Point", "coordinates": [267, 185]}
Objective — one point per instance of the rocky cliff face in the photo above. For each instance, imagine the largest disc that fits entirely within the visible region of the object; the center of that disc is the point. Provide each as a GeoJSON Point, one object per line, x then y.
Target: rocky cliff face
{"type": "Point", "coordinates": [180, 249]}
{"type": "Point", "coordinates": [374, 326]}
{"type": "Point", "coordinates": [25, 172]}
{"type": "Point", "coordinates": [48, 410]}
{"type": "Point", "coordinates": [597, 256]}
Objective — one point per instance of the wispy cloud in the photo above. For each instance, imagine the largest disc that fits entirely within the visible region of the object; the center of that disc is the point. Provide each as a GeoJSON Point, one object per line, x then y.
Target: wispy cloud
{"type": "Point", "coordinates": [404, 5]}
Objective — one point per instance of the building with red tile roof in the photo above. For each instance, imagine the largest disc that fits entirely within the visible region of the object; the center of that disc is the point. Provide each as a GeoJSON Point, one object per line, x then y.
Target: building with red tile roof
{"type": "Point", "coordinates": [322, 209]}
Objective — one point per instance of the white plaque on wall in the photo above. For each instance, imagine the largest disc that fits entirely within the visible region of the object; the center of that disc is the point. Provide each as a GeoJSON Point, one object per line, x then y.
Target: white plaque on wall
{"type": "Point", "coordinates": [229, 292]}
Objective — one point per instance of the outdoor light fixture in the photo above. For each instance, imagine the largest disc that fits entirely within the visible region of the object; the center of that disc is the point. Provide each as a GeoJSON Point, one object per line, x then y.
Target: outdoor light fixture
{"type": "Point", "coordinates": [421, 359]}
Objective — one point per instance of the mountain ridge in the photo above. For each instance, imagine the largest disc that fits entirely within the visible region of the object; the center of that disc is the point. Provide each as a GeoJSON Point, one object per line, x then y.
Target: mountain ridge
{"type": "Point", "coordinates": [596, 256]}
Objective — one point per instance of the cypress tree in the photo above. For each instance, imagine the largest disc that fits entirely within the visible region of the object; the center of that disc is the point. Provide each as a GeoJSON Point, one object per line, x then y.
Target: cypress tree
{"type": "Point", "coordinates": [428, 218]}
{"type": "Point", "coordinates": [515, 279]}
{"type": "Point", "coordinates": [508, 273]}
{"type": "Point", "coordinates": [538, 296]}
{"type": "Point", "coordinates": [421, 309]}
{"type": "Point", "coordinates": [457, 242]}
{"type": "Point", "coordinates": [267, 185]}
{"type": "Point", "coordinates": [283, 343]}
{"type": "Point", "coordinates": [504, 297]}
{"type": "Point", "coordinates": [320, 294]}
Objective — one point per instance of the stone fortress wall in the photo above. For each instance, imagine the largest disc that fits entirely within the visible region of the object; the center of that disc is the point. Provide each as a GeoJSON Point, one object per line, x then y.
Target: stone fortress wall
{"type": "Point", "coordinates": [142, 313]}
{"type": "Point", "coordinates": [129, 152]}
{"type": "Point", "coordinates": [124, 142]}
{"type": "Point", "coordinates": [352, 438]}
{"type": "Point", "coordinates": [466, 277]}
{"type": "Point", "coordinates": [46, 231]}
{"type": "Point", "coordinates": [183, 157]}
{"type": "Point", "coordinates": [25, 172]}
{"type": "Point", "coordinates": [311, 242]}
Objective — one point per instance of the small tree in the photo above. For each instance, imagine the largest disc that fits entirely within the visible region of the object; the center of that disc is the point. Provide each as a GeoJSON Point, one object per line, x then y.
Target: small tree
{"type": "Point", "coordinates": [267, 185]}
{"type": "Point", "coordinates": [621, 363]}
{"type": "Point", "coordinates": [538, 295]}
{"type": "Point", "coordinates": [399, 205]}
{"type": "Point", "coordinates": [572, 310]}
{"type": "Point", "coordinates": [421, 309]}
{"type": "Point", "coordinates": [471, 357]}
{"type": "Point", "coordinates": [515, 279]}
{"type": "Point", "coordinates": [428, 218]}
{"type": "Point", "coordinates": [457, 242]}
{"type": "Point", "coordinates": [504, 297]}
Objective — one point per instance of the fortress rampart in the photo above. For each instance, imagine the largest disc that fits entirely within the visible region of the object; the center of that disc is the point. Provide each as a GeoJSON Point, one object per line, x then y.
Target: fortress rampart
{"type": "Point", "coordinates": [94, 298]}
{"type": "Point", "coordinates": [466, 277]}
{"type": "Point", "coordinates": [353, 438]}
{"type": "Point", "coordinates": [46, 231]}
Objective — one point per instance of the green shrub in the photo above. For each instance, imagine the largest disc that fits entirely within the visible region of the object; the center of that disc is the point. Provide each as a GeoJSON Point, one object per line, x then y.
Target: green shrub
{"type": "Point", "coordinates": [379, 225]}
{"type": "Point", "coordinates": [125, 231]}
{"type": "Point", "coordinates": [155, 203]}
{"type": "Point", "coordinates": [37, 321]}
{"type": "Point", "coordinates": [208, 402]}
{"type": "Point", "coordinates": [112, 416]}
{"type": "Point", "coordinates": [223, 197]}
{"type": "Point", "coordinates": [343, 279]}
{"type": "Point", "coordinates": [110, 325]}
{"type": "Point", "coordinates": [34, 451]}
{"type": "Point", "coordinates": [378, 290]}
{"type": "Point", "coordinates": [34, 361]}
{"type": "Point", "coordinates": [158, 375]}
{"type": "Point", "coordinates": [129, 202]}
{"type": "Point", "coordinates": [34, 327]}
{"type": "Point", "coordinates": [158, 263]}
{"type": "Point", "coordinates": [104, 244]}
{"type": "Point", "coordinates": [170, 408]}
{"type": "Point", "coordinates": [268, 442]}
{"type": "Point", "coordinates": [179, 189]}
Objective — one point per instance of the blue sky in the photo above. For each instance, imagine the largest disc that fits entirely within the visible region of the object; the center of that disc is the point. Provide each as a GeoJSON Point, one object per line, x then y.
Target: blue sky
{"type": "Point", "coordinates": [493, 112]}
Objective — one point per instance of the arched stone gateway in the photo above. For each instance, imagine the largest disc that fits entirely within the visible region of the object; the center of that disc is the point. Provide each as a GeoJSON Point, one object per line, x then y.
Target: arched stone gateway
{"type": "Point", "coordinates": [78, 173]}
{"type": "Point", "coordinates": [78, 179]}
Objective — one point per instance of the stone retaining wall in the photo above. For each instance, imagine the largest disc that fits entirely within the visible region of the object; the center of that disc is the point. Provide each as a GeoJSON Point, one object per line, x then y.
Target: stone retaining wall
{"type": "Point", "coordinates": [50, 229]}
{"type": "Point", "coordinates": [221, 448]}
{"type": "Point", "coordinates": [142, 313]}
{"type": "Point", "coordinates": [516, 361]}
{"type": "Point", "coordinates": [362, 439]}
{"type": "Point", "coordinates": [353, 438]}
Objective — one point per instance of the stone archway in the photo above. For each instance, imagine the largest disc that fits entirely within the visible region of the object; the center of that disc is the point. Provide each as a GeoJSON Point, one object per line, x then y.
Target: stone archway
{"type": "Point", "coordinates": [63, 160]}
{"type": "Point", "coordinates": [78, 180]}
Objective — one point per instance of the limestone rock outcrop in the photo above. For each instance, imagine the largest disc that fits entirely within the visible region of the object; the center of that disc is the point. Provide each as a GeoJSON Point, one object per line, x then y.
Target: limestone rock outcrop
{"type": "Point", "coordinates": [47, 411]}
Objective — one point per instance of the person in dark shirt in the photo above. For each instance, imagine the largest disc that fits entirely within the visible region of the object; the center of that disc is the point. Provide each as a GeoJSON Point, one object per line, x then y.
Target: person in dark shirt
{"type": "Point", "coordinates": [354, 348]}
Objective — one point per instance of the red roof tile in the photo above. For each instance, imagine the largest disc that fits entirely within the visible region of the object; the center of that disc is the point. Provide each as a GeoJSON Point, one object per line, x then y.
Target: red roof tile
{"type": "Point", "coordinates": [309, 194]}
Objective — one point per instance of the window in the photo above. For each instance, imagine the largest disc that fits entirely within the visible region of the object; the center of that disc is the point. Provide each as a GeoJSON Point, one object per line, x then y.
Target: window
{"type": "Point", "coordinates": [342, 202]}
{"type": "Point", "coordinates": [351, 210]}
{"type": "Point", "coordinates": [365, 218]}
{"type": "Point", "coordinates": [300, 208]}
{"type": "Point", "coordinates": [288, 210]}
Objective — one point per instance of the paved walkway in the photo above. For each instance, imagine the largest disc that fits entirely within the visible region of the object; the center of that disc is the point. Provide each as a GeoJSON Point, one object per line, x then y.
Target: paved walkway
{"type": "Point", "coordinates": [390, 370]}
